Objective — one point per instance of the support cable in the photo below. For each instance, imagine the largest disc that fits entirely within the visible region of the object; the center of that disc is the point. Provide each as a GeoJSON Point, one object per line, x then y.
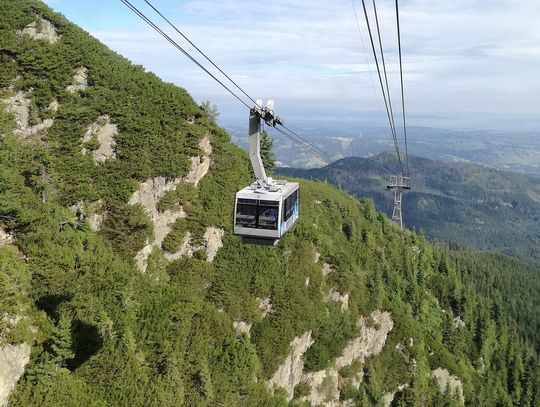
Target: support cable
{"type": "Point", "coordinates": [201, 52]}
{"type": "Point", "coordinates": [402, 90]}
{"type": "Point", "coordinates": [325, 158]}
{"type": "Point", "coordinates": [379, 36]}
{"type": "Point", "coordinates": [178, 47]}
{"type": "Point", "coordinates": [302, 142]}
{"type": "Point", "coordinates": [324, 153]}
{"type": "Point", "coordinates": [368, 64]}
{"type": "Point", "coordinates": [381, 81]}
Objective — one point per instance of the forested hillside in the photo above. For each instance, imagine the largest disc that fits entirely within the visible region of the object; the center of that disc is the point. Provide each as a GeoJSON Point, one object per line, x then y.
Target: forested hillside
{"type": "Point", "coordinates": [471, 205]}
{"type": "Point", "coordinates": [122, 284]}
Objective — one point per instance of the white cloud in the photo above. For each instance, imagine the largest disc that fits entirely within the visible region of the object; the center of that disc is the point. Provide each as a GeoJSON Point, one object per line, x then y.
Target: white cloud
{"type": "Point", "coordinates": [458, 55]}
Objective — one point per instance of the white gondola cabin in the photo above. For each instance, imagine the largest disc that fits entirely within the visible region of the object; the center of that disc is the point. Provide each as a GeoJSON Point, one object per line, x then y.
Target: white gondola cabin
{"type": "Point", "coordinates": [267, 209]}
{"type": "Point", "coordinates": [266, 214]}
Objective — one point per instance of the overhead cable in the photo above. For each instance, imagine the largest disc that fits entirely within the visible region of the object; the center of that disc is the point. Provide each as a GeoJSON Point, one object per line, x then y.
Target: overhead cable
{"type": "Point", "coordinates": [182, 50]}
{"type": "Point", "coordinates": [402, 90]}
{"type": "Point", "coordinates": [379, 36]}
{"type": "Point", "coordinates": [200, 51]}
{"type": "Point", "coordinates": [302, 142]}
{"type": "Point", "coordinates": [324, 153]}
{"type": "Point", "coordinates": [381, 83]}
{"type": "Point", "coordinates": [368, 64]}
{"type": "Point", "coordinates": [307, 146]}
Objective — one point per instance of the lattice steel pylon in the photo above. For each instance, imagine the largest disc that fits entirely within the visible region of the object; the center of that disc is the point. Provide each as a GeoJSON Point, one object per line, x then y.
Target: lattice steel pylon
{"type": "Point", "coordinates": [398, 183]}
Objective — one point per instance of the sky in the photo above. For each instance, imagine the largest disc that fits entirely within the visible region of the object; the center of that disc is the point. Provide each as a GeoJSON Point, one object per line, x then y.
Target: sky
{"type": "Point", "coordinates": [459, 56]}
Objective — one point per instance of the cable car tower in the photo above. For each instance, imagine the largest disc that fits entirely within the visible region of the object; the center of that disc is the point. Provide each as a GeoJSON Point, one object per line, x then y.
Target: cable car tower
{"type": "Point", "coordinates": [268, 208]}
{"type": "Point", "coordinates": [398, 183]}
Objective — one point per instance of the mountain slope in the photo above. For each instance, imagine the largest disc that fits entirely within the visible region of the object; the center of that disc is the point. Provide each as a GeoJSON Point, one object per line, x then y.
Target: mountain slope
{"type": "Point", "coordinates": [467, 204]}
{"type": "Point", "coordinates": [120, 270]}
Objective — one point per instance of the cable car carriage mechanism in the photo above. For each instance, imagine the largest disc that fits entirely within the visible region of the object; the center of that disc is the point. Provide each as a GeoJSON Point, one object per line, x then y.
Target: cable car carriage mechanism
{"type": "Point", "coordinates": [268, 208]}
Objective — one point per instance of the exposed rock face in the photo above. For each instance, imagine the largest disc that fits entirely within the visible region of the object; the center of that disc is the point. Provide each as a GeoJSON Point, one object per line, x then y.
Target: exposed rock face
{"type": "Point", "coordinates": [148, 196]}
{"type": "Point", "coordinates": [41, 29]}
{"type": "Point", "coordinates": [324, 387]}
{"type": "Point", "coordinates": [150, 193]}
{"type": "Point", "coordinates": [186, 249]}
{"type": "Point", "coordinates": [265, 306]}
{"type": "Point", "coordinates": [13, 360]}
{"type": "Point", "coordinates": [7, 323]}
{"type": "Point", "coordinates": [458, 322]}
{"type": "Point", "coordinates": [19, 105]}
{"type": "Point", "coordinates": [327, 269]}
{"type": "Point", "coordinates": [370, 343]}
{"type": "Point", "coordinates": [242, 327]}
{"type": "Point", "coordinates": [200, 165]}
{"type": "Point", "coordinates": [447, 381]}
{"type": "Point", "coordinates": [80, 81]}
{"type": "Point", "coordinates": [54, 105]}
{"type": "Point", "coordinates": [343, 299]}
{"type": "Point", "coordinates": [213, 238]}
{"type": "Point", "coordinates": [325, 384]}
{"type": "Point", "coordinates": [92, 213]}
{"type": "Point", "coordinates": [212, 244]}
{"type": "Point", "coordinates": [389, 397]}
{"type": "Point", "coordinates": [95, 215]}
{"type": "Point", "coordinates": [6, 238]}
{"type": "Point", "coordinates": [102, 131]}
{"type": "Point", "coordinates": [290, 373]}
{"type": "Point", "coordinates": [141, 258]}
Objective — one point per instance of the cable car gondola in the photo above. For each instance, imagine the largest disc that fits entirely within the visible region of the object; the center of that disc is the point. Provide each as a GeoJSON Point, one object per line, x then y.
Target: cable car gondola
{"type": "Point", "coordinates": [268, 208]}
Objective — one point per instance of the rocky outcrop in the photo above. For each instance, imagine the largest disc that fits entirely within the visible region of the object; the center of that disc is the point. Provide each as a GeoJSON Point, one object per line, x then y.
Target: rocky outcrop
{"type": "Point", "coordinates": [148, 196]}
{"type": "Point", "coordinates": [185, 249]}
{"type": "Point", "coordinates": [335, 296]}
{"type": "Point", "coordinates": [327, 269]}
{"type": "Point", "coordinates": [13, 360]}
{"type": "Point", "coordinates": [372, 340]}
{"type": "Point", "coordinates": [447, 381]}
{"type": "Point", "coordinates": [290, 373]}
{"type": "Point", "coordinates": [19, 105]}
{"type": "Point", "coordinates": [212, 243]}
{"type": "Point", "coordinates": [93, 213]}
{"type": "Point", "coordinates": [6, 238]}
{"type": "Point", "coordinates": [242, 328]}
{"type": "Point", "coordinates": [80, 81]}
{"type": "Point", "coordinates": [458, 322]}
{"type": "Point", "coordinates": [325, 384]}
{"type": "Point", "coordinates": [265, 306]}
{"type": "Point", "coordinates": [54, 106]}
{"type": "Point", "coordinates": [201, 164]}
{"type": "Point", "coordinates": [41, 29]}
{"type": "Point", "coordinates": [213, 238]}
{"type": "Point", "coordinates": [103, 132]}
{"type": "Point", "coordinates": [150, 193]}
{"type": "Point", "coordinates": [388, 398]}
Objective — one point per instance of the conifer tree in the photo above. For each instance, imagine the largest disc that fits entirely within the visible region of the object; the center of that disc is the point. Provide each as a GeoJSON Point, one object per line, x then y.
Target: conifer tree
{"type": "Point", "coordinates": [267, 154]}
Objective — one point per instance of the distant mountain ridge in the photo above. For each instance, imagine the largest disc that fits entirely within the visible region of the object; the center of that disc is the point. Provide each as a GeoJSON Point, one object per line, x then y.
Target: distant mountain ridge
{"type": "Point", "coordinates": [468, 204]}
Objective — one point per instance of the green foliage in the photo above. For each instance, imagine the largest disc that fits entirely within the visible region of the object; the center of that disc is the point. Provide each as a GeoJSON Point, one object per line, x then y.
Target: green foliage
{"type": "Point", "coordinates": [267, 153]}
{"type": "Point", "coordinates": [127, 228]}
{"type": "Point", "coordinates": [332, 334]}
{"type": "Point", "coordinates": [470, 205]}
{"type": "Point", "coordinates": [210, 110]}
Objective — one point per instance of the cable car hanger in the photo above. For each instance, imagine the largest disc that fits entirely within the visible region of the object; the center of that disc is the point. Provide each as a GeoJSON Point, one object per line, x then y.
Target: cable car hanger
{"type": "Point", "coordinates": [268, 208]}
